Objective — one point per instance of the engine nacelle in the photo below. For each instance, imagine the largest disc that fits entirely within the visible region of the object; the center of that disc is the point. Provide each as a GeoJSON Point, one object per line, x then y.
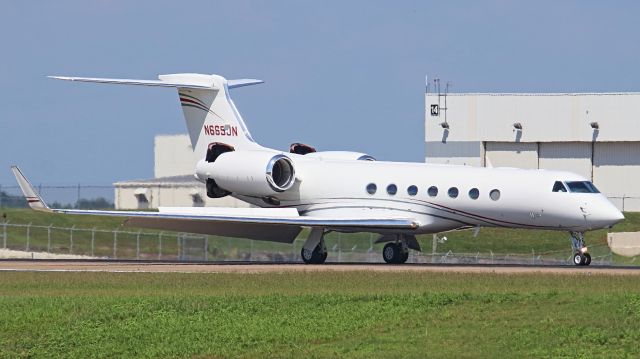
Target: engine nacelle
{"type": "Point", "coordinates": [341, 155]}
{"type": "Point", "coordinates": [253, 173]}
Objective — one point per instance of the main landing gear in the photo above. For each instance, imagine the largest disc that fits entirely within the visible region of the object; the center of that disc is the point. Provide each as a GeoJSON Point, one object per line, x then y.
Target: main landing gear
{"type": "Point", "coordinates": [395, 252]}
{"type": "Point", "coordinates": [314, 250]}
{"type": "Point", "coordinates": [580, 255]}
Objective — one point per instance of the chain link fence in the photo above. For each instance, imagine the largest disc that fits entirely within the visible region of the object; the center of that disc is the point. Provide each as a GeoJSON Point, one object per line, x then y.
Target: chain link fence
{"type": "Point", "coordinates": [66, 196]}
{"type": "Point", "coordinates": [140, 245]}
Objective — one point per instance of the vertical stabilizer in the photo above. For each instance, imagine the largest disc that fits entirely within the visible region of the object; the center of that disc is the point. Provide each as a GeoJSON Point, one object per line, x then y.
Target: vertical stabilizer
{"type": "Point", "coordinates": [210, 114]}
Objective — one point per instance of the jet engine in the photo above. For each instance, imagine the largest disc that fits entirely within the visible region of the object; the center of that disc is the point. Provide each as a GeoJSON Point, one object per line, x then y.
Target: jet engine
{"type": "Point", "coordinates": [253, 173]}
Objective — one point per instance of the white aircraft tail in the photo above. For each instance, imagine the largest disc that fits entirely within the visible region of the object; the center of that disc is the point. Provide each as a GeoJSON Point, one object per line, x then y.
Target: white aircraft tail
{"type": "Point", "coordinates": [209, 112]}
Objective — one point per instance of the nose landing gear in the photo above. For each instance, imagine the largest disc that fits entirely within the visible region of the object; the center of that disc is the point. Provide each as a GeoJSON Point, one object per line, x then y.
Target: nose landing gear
{"type": "Point", "coordinates": [580, 257]}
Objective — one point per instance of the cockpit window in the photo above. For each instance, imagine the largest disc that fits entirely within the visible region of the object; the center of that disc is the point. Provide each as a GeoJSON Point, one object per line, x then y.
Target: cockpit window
{"type": "Point", "coordinates": [582, 187]}
{"type": "Point", "coordinates": [559, 187]}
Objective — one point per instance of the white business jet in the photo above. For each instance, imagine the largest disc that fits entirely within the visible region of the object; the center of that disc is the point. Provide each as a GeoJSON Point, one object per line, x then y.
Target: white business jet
{"type": "Point", "coordinates": [347, 191]}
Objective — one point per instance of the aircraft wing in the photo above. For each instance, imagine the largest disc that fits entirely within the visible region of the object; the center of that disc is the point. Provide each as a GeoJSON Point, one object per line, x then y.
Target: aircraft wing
{"type": "Point", "coordinates": [268, 224]}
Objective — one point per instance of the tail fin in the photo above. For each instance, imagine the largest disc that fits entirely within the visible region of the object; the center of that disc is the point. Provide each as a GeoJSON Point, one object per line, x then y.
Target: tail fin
{"type": "Point", "coordinates": [209, 112]}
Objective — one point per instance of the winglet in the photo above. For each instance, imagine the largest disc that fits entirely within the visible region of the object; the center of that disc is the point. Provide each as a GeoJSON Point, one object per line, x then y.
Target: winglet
{"type": "Point", "coordinates": [33, 198]}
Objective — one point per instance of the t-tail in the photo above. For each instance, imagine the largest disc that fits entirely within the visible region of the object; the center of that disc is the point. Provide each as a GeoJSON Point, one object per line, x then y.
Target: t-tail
{"type": "Point", "coordinates": [209, 111]}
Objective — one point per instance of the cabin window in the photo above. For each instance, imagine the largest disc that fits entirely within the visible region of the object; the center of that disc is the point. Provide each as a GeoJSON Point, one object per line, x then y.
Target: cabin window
{"type": "Point", "coordinates": [412, 190]}
{"type": "Point", "coordinates": [559, 187]}
{"type": "Point", "coordinates": [494, 194]}
{"type": "Point", "coordinates": [432, 191]}
{"type": "Point", "coordinates": [453, 192]}
{"type": "Point", "coordinates": [372, 188]}
{"type": "Point", "coordinates": [474, 193]}
{"type": "Point", "coordinates": [582, 187]}
{"type": "Point", "coordinates": [392, 189]}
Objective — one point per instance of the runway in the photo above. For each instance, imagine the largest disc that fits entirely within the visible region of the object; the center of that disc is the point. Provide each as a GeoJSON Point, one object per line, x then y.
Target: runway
{"type": "Point", "coordinates": [245, 267]}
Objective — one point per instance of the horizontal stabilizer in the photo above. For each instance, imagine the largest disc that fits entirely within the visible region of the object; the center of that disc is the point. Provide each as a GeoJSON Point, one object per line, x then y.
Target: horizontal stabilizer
{"type": "Point", "coordinates": [159, 83]}
{"type": "Point", "coordinates": [192, 81]}
{"type": "Point", "coordinates": [243, 82]}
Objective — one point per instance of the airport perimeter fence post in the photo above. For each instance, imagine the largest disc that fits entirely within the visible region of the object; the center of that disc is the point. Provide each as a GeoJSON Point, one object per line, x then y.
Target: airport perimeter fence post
{"type": "Point", "coordinates": [4, 234]}
{"type": "Point", "coordinates": [115, 243]}
{"type": "Point", "coordinates": [293, 250]}
{"type": "Point", "coordinates": [71, 239]}
{"type": "Point", "coordinates": [206, 248]}
{"type": "Point", "coordinates": [339, 248]}
{"type": "Point", "coordinates": [49, 238]}
{"type": "Point", "coordinates": [28, 235]}
{"type": "Point", "coordinates": [160, 245]}
{"type": "Point", "coordinates": [179, 251]}
{"type": "Point", "coordinates": [93, 240]}
{"type": "Point", "coordinates": [251, 250]}
{"type": "Point", "coordinates": [533, 256]}
{"type": "Point", "coordinates": [138, 245]}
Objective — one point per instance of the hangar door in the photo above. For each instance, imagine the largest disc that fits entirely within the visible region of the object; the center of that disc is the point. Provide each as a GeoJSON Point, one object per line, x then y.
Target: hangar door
{"type": "Point", "coordinates": [511, 154]}
{"type": "Point", "coordinates": [616, 169]}
{"type": "Point", "coordinates": [567, 156]}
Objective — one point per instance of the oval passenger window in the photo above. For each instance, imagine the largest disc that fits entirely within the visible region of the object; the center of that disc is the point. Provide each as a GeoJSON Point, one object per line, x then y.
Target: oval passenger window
{"type": "Point", "coordinates": [372, 188]}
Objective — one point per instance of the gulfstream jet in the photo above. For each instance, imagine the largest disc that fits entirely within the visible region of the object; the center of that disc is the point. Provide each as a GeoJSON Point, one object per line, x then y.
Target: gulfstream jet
{"type": "Point", "coordinates": [337, 191]}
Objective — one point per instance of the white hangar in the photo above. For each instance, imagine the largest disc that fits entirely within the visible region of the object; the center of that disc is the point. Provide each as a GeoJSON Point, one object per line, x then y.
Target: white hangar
{"type": "Point", "coordinates": [173, 184]}
{"type": "Point", "coordinates": [596, 135]}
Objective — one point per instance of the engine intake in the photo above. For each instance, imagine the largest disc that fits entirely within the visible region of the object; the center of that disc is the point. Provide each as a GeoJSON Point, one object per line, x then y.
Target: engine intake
{"type": "Point", "coordinates": [280, 173]}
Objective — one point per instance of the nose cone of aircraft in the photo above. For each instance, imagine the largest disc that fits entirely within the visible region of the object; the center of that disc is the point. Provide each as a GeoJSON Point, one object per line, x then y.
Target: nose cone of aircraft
{"type": "Point", "coordinates": [616, 216]}
{"type": "Point", "coordinates": [606, 215]}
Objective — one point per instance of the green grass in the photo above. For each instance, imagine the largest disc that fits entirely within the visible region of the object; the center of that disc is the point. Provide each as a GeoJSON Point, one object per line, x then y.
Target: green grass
{"type": "Point", "coordinates": [527, 243]}
{"type": "Point", "coordinates": [317, 315]}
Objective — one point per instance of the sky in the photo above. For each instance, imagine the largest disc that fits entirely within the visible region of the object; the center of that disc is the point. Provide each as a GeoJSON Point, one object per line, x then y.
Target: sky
{"type": "Point", "coordinates": [340, 75]}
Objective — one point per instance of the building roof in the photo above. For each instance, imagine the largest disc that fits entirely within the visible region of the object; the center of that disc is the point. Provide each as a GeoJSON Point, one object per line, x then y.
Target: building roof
{"type": "Point", "coordinates": [534, 94]}
{"type": "Point", "coordinates": [172, 181]}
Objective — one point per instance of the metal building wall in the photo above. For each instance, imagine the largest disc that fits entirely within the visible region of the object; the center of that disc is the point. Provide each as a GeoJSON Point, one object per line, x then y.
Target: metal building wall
{"type": "Point", "coordinates": [510, 154]}
{"type": "Point", "coordinates": [556, 133]}
{"type": "Point", "coordinates": [616, 172]}
{"type": "Point", "coordinates": [169, 196]}
{"type": "Point", "coordinates": [462, 153]}
{"type": "Point", "coordinates": [173, 156]}
{"type": "Point", "coordinates": [566, 156]}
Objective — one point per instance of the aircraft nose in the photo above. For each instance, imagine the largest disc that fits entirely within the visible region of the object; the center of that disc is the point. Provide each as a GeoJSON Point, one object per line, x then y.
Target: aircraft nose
{"type": "Point", "coordinates": [616, 216]}
{"type": "Point", "coordinates": [611, 216]}
{"type": "Point", "coordinates": [604, 214]}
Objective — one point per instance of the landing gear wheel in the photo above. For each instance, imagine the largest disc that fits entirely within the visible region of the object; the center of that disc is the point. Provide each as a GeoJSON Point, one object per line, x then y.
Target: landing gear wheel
{"type": "Point", "coordinates": [317, 256]}
{"type": "Point", "coordinates": [393, 253]}
{"type": "Point", "coordinates": [580, 256]}
{"type": "Point", "coordinates": [578, 259]}
{"type": "Point", "coordinates": [390, 253]}
{"type": "Point", "coordinates": [582, 259]}
{"type": "Point", "coordinates": [587, 259]}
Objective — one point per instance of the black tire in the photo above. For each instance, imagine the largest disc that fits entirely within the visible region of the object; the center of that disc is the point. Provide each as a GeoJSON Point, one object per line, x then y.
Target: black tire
{"type": "Point", "coordinates": [578, 259]}
{"type": "Point", "coordinates": [405, 256]}
{"type": "Point", "coordinates": [390, 253]}
{"type": "Point", "coordinates": [587, 259]}
{"type": "Point", "coordinates": [317, 256]}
